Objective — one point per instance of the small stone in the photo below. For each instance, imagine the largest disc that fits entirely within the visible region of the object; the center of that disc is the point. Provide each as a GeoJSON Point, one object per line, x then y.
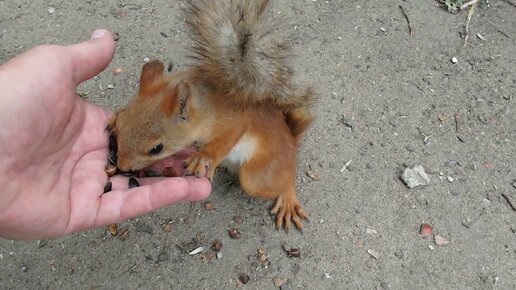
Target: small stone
{"type": "Point", "coordinates": [24, 268]}
{"type": "Point", "coordinates": [117, 70]}
{"type": "Point", "coordinates": [262, 258]}
{"type": "Point", "coordinates": [425, 230]}
{"type": "Point", "coordinates": [163, 34]}
{"type": "Point", "coordinates": [385, 285]}
{"type": "Point", "coordinates": [244, 278]}
{"type": "Point", "coordinates": [278, 282]}
{"type": "Point", "coordinates": [51, 10]}
{"type": "Point", "coordinates": [374, 254]}
{"type": "Point", "coordinates": [260, 250]}
{"type": "Point", "coordinates": [371, 231]}
{"type": "Point", "coordinates": [218, 255]}
{"type": "Point", "coordinates": [415, 176]}
{"type": "Point", "coordinates": [450, 179]}
{"type": "Point", "coordinates": [110, 86]}
{"type": "Point", "coordinates": [146, 59]}
{"type": "Point", "coordinates": [481, 37]}
{"type": "Point", "coordinates": [454, 60]}
{"type": "Point", "coordinates": [431, 247]}
{"type": "Point", "coordinates": [441, 241]}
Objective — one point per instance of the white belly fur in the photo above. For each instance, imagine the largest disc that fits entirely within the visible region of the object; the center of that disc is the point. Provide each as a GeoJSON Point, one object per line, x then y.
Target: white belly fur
{"type": "Point", "coordinates": [240, 153]}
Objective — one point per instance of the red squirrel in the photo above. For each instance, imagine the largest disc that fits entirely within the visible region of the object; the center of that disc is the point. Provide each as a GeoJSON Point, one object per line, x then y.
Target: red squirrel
{"type": "Point", "coordinates": [239, 103]}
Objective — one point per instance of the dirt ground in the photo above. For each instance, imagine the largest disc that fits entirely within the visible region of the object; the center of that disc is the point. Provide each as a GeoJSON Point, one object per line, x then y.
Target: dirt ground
{"type": "Point", "coordinates": [387, 101]}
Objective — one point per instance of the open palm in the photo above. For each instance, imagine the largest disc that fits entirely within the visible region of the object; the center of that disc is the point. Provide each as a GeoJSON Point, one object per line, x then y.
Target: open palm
{"type": "Point", "coordinates": [53, 148]}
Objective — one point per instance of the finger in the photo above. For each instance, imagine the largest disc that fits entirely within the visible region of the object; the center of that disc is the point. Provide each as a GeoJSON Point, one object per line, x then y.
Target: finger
{"type": "Point", "coordinates": [91, 57]}
{"type": "Point", "coordinates": [120, 204]}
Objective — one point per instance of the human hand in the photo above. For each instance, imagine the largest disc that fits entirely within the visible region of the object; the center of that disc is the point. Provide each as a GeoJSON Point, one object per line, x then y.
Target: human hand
{"type": "Point", "coordinates": [54, 147]}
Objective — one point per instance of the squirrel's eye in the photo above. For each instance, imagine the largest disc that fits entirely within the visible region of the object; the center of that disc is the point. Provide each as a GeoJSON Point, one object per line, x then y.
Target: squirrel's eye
{"type": "Point", "coordinates": [156, 150]}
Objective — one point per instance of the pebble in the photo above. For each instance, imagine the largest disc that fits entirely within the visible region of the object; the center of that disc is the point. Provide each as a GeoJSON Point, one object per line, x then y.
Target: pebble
{"type": "Point", "coordinates": [219, 255]}
{"type": "Point", "coordinates": [441, 241]}
{"type": "Point", "coordinates": [371, 231]}
{"type": "Point", "coordinates": [431, 247]}
{"type": "Point", "coordinates": [24, 268]}
{"type": "Point", "coordinates": [110, 86]}
{"type": "Point", "coordinates": [278, 282]}
{"type": "Point", "coordinates": [117, 70]}
{"type": "Point", "coordinates": [415, 176]}
{"type": "Point", "coordinates": [454, 60]}
{"type": "Point", "coordinates": [374, 254]}
{"type": "Point", "coordinates": [450, 179]}
{"type": "Point", "coordinates": [51, 10]}
{"type": "Point", "coordinates": [146, 59]}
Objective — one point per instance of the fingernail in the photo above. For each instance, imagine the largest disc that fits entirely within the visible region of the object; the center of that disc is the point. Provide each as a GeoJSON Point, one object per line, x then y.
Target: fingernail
{"type": "Point", "coordinates": [98, 33]}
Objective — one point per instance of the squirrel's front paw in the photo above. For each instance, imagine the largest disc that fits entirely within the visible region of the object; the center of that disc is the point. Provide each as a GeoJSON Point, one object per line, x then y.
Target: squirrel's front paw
{"type": "Point", "coordinates": [199, 165]}
{"type": "Point", "coordinates": [287, 209]}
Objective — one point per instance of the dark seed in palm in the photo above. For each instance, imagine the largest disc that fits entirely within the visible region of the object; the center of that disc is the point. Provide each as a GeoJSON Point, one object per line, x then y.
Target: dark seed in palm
{"type": "Point", "coordinates": [112, 158]}
{"type": "Point", "coordinates": [133, 182]}
{"type": "Point", "coordinates": [108, 187]}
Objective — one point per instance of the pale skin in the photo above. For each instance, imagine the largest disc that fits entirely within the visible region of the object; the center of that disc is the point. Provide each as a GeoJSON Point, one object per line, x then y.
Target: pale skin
{"type": "Point", "coordinates": [53, 148]}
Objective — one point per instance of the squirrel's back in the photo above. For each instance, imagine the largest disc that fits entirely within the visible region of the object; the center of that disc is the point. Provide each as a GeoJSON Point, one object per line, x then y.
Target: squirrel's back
{"type": "Point", "coordinates": [243, 51]}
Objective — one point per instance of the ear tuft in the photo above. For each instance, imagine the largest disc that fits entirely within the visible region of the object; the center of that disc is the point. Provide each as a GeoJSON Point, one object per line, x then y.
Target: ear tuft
{"type": "Point", "coordinates": [150, 72]}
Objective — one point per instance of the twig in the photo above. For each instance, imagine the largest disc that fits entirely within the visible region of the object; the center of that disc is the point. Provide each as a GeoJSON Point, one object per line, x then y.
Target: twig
{"type": "Point", "coordinates": [467, 4]}
{"type": "Point", "coordinates": [509, 201]}
{"type": "Point", "coordinates": [468, 19]}
{"type": "Point", "coordinates": [408, 21]}
{"type": "Point", "coordinates": [457, 124]}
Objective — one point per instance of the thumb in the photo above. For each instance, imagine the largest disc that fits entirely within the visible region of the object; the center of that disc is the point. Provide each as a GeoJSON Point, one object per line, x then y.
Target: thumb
{"type": "Point", "coordinates": [91, 57]}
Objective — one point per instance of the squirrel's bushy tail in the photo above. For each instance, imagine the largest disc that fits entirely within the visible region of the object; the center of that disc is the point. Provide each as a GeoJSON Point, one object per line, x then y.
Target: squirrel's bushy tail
{"type": "Point", "coordinates": [243, 51]}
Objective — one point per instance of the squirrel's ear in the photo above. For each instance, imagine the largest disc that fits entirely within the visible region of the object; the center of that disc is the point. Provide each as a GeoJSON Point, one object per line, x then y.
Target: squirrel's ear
{"type": "Point", "coordinates": [150, 72]}
{"type": "Point", "coordinates": [177, 100]}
